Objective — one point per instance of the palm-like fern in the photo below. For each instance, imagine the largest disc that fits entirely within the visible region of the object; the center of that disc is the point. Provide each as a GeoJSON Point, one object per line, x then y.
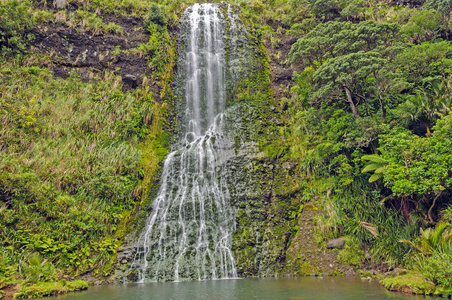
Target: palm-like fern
{"type": "Point", "coordinates": [426, 106]}
{"type": "Point", "coordinates": [432, 239]}
{"type": "Point", "coordinates": [376, 165]}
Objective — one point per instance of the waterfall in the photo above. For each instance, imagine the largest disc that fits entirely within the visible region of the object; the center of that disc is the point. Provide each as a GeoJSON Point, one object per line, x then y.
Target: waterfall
{"type": "Point", "coordinates": [189, 231]}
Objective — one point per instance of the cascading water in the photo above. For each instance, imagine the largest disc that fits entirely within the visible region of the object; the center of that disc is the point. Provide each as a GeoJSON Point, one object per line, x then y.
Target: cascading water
{"type": "Point", "coordinates": [189, 231]}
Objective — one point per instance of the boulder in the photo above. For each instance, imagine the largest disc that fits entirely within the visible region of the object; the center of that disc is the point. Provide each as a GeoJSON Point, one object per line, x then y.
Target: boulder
{"type": "Point", "coordinates": [60, 4]}
{"type": "Point", "coordinates": [399, 271]}
{"type": "Point", "coordinates": [335, 244]}
{"type": "Point", "coordinates": [131, 80]}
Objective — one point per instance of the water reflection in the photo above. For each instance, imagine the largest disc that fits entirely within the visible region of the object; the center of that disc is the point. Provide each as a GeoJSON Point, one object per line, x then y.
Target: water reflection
{"type": "Point", "coordinates": [337, 288]}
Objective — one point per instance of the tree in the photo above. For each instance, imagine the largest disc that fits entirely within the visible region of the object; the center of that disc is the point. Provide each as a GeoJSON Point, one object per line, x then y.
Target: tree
{"type": "Point", "coordinates": [334, 39]}
{"type": "Point", "coordinates": [422, 26]}
{"type": "Point", "coordinates": [425, 61]}
{"type": "Point", "coordinates": [345, 74]}
{"type": "Point", "coordinates": [443, 6]}
{"type": "Point", "coordinates": [319, 43]}
{"type": "Point", "coordinates": [327, 9]}
{"type": "Point", "coordinates": [419, 168]}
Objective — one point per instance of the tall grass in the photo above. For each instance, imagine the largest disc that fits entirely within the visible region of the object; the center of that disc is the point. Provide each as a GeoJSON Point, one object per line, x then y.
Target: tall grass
{"type": "Point", "coordinates": [69, 162]}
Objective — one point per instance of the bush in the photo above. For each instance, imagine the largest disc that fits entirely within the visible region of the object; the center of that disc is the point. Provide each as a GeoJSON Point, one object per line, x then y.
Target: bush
{"type": "Point", "coordinates": [156, 17]}
{"type": "Point", "coordinates": [437, 267]}
{"type": "Point", "coordinates": [443, 6]}
{"type": "Point", "coordinates": [16, 22]}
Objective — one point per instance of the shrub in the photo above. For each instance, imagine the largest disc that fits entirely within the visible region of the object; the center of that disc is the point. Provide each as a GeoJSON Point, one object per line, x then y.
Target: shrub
{"type": "Point", "coordinates": [437, 267]}
{"type": "Point", "coordinates": [156, 17]}
{"type": "Point", "coordinates": [16, 23]}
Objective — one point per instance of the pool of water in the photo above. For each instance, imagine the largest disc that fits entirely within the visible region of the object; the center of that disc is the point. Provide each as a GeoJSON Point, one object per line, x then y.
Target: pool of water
{"type": "Point", "coordinates": [336, 288]}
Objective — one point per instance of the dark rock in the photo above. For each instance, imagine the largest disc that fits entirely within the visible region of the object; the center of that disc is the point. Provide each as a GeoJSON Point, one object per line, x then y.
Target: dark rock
{"type": "Point", "coordinates": [336, 243]}
{"type": "Point", "coordinates": [284, 74]}
{"type": "Point", "coordinates": [131, 80]}
{"type": "Point", "coordinates": [313, 274]}
{"type": "Point", "coordinates": [285, 105]}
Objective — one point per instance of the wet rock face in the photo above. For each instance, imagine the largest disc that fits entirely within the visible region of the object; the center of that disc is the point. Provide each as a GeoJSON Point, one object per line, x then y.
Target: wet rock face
{"type": "Point", "coordinates": [260, 186]}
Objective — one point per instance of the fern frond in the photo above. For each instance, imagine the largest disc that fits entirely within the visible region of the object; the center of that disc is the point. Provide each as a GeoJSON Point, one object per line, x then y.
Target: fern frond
{"type": "Point", "coordinates": [375, 158]}
{"type": "Point", "coordinates": [375, 177]}
{"type": "Point", "coordinates": [370, 167]}
{"type": "Point", "coordinates": [380, 170]}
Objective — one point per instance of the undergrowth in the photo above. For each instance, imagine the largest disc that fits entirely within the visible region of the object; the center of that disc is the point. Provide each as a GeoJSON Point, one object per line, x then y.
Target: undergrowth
{"type": "Point", "coordinates": [70, 167]}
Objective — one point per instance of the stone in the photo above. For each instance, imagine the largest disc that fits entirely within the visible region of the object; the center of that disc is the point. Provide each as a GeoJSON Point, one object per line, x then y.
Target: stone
{"type": "Point", "coordinates": [335, 244]}
{"type": "Point", "coordinates": [399, 271]}
{"type": "Point", "coordinates": [60, 4]}
{"type": "Point", "coordinates": [131, 80]}
{"type": "Point", "coordinates": [366, 278]}
{"type": "Point", "coordinates": [350, 272]}
{"type": "Point", "coordinates": [373, 272]}
{"type": "Point", "coordinates": [287, 165]}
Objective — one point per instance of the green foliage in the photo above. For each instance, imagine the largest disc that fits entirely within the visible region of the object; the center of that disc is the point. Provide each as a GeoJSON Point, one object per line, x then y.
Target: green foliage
{"type": "Point", "coordinates": [425, 107]}
{"type": "Point", "coordinates": [425, 62]}
{"type": "Point", "coordinates": [155, 17]}
{"type": "Point", "coordinates": [334, 39]}
{"type": "Point", "coordinates": [351, 254]}
{"type": "Point", "coordinates": [414, 280]}
{"type": "Point", "coordinates": [16, 23]}
{"type": "Point", "coordinates": [94, 23]}
{"type": "Point", "coordinates": [419, 166]}
{"type": "Point", "coordinates": [436, 268]}
{"type": "Point", "coordinates": [69, 165]}
{"type": "Point", "coordinates": [43, 289]}
{"type": "Point", "coordinates": [422, 26]}
{"type": "Point", "coordinates": [159, 51]}
{"type": "Point", "coordinates": [6, 270]}
{"type": "Point", "coordinates": [443, 6]}
{"type": "Point", "coordinates": [434, 256]}
{"type": "Point", "coordinates": [37, 269]}
{"type": "Point", "coordinates": [376, 165]}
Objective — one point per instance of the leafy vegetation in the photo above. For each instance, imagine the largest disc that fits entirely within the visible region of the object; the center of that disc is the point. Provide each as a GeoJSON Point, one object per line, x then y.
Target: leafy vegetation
{"type": "Point", "coordinates": [369, 119]}
{"type": "Point", "coordinates": [16, 24]}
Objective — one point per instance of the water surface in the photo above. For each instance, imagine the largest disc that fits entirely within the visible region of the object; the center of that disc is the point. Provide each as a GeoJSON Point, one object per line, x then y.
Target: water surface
{"type": "Point", "coordinates": [337, 288]}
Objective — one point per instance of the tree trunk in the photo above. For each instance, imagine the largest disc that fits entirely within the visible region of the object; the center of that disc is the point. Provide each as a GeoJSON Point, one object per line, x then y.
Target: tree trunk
{"type": "Point", "coordinates": [350, 101]}
{"type": "Point", "coordinates": [383, 108]}
{"type": "Point", "coordinates": [431, 207]}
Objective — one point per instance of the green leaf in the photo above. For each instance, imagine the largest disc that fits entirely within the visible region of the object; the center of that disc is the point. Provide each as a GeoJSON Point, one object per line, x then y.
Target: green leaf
{"type": "Point", "coordinates": [375, 158]}
{"type": "Point", "coordinates": [375, 177]}
{"type": "Point", "coordinates": [370, 167]}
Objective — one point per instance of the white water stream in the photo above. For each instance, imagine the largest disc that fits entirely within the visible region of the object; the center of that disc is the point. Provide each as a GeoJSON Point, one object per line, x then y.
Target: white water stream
{"type": "Point", "coordinates": [189, 231]}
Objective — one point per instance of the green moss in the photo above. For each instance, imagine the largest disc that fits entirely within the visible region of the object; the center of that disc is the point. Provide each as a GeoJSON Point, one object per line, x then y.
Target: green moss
{"type": "Point", "coordinates": [411, 281]}
{"type": "Point", "coordinates": [351, 254]}
{"type": "Point", "coordinates": [42, 289]}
